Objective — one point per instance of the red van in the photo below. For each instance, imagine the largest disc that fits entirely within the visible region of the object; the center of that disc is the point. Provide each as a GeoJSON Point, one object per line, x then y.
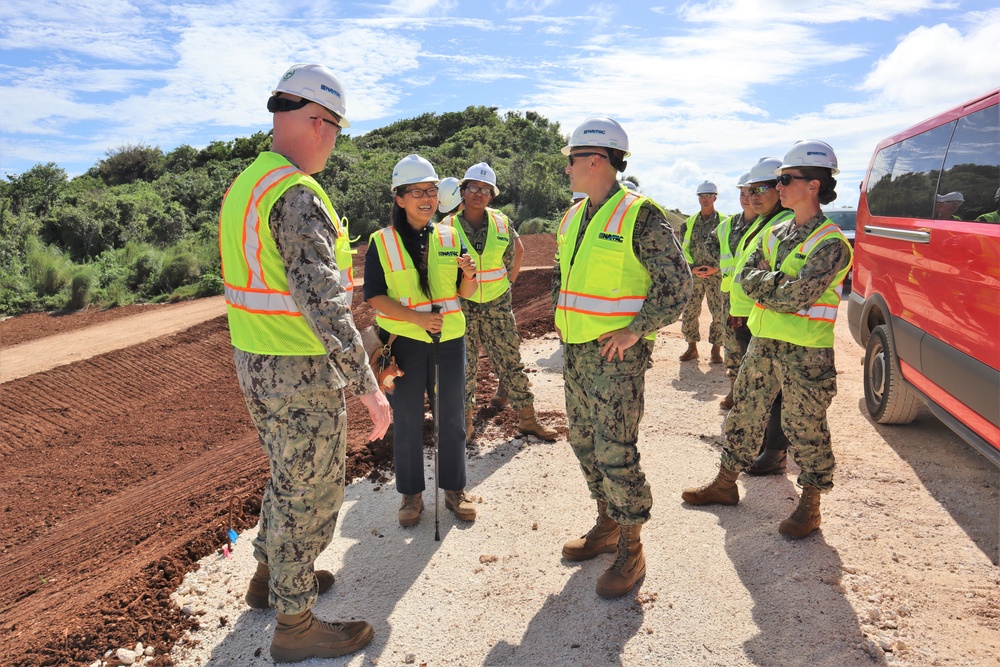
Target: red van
{"type": "Point", "coordinates": [925, 303]}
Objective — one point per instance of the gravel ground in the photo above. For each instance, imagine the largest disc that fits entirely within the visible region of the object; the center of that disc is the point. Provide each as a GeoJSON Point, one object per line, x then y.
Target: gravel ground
{"type": "Point", "coordinates": [903, 571]}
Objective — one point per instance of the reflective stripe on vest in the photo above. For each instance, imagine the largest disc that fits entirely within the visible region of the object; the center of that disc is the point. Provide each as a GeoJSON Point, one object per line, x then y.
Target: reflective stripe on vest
{"type": "Point", "coordinates": [741, 305]}
{"type": "Point", "coordinates": [609, 287]}
{"type": "Point", "coordinates": [809, 327]}
{"type": "Point", "coordinates": [263, 317]}
{"type": "Point", "coordinates": [726, 259]}
{"type": "Point", "coordinates": [491, 273]}
{"type": "Point", "coordinates": [403, 283]}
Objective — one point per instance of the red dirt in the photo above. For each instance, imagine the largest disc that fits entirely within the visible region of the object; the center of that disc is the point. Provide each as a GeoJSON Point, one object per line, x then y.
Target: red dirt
{"type": "Point", "coordinates": [121, 471]}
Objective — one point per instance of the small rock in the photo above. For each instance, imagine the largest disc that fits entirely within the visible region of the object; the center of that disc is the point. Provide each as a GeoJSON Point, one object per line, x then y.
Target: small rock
{"type": "Point", "coordinates": [487, 558]}
{"type": "Point", "coordinates": [96, 663]}
{"type": "Point", "coordinates": [125, 656]}
{"type": "Point", "coordinates": [150, 651]}
{"type": "Point", "coordinates": [187, 610]}
{"type": "Point", "coordinates": [410, 658]}
{"type": "Point", "coordinates": [848, 569]}
{"type": "Point", "coordinates": [139, 648]}
{"type": "Point", "coordinates": [534, 526]}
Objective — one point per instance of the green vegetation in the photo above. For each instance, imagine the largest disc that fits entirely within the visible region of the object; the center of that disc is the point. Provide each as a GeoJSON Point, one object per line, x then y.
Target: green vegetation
{"type": "Point", "coordinates": [141, 225]}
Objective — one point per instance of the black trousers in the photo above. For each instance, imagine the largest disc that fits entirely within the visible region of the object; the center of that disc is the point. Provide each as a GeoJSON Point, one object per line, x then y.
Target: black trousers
{"type": "Point", "coordinates": [775, 439]}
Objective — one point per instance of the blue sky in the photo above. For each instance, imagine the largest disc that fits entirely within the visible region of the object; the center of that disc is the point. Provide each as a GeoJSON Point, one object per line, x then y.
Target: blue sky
{"type": "Point", "coordinates": [703, 89]}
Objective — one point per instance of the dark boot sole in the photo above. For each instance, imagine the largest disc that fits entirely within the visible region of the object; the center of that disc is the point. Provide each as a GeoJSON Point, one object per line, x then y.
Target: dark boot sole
{"type": "Point", "coordinates": [764, 473]}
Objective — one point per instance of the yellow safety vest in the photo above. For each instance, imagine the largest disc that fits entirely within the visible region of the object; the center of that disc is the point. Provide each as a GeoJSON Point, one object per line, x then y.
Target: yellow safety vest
{"type": "Point", "coordinates": [605, 286]}
{"type": "Point", "coordinates": [741, 305]}
{"type": "Point", "coordinates": [263, 317]}
{"type": "Point", "coordinates": [726, 259]}
{"type": "Point", "coordinates": [491, 273]}
{"type": "Point", "coordinates": [809, 327]}
{"type": "Point", "coordinates": [689, 232]}
{"type": "Point", "coordinates": [403, 282]}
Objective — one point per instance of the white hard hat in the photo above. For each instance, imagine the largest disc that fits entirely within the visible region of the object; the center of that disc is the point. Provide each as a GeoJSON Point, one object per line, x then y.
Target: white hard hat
{"type": "Point", "coordinates": [707, 188]}
{"type": "Point", "coordinates": [951, 196]}
{"type": "Point", "coordinates": [579, 195]}
{"type": "Point", "coordinates": [413, 169]}
{"type": "Point", "coordinates": [600, 132]}
{"type": "Point", "coordinates": [482, 172]}
{"type": "Point", "coordinates": [744, 180]}
{"type": "Point", "coordinates": [630, 185]}
{"type": "Point", "coordinates": [810, 153]}
{"type": "Point", "coordinates": [449, 194]}
{"type": "Point", "coordinates": [316, 84]}
{"type": "Point", "coordinates": [764, 170]}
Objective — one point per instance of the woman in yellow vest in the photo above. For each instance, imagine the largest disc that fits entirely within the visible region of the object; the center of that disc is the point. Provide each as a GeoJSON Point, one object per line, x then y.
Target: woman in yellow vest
{"type": "Point", "coordinates": [415, 272]}
{"type": "Point", "coordinates": [795, 278]}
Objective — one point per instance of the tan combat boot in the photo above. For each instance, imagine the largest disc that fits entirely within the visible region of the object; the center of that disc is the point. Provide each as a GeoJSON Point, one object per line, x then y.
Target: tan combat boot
{"type": "Point", "coordinates": [722, 491]}
{"type": "Point", "coordinates": [301, 636]}
{"type": "Point", "coordinates": [460, 505]}
{"type": "Point", "coordinates": [528, 424]}
{"type": "Point", "coordinates": [470, 428]}
{"type": "Point", "coordinates": [692, 353]}
{"type": "Point", "coordinates": [257, 591]}
{"type": "Point", "coordinates": [806, 517]}
{"type": "Point", "coordinates": [500, 399]}
{"type": "Point", "coordinates": [716, 356]}
{"type": "Point", "coordinates": [727, 403]}
{"type": "Point", "coordinates": [628, 568]}
{"type": "Point", "coordinates": [410, 509]}
{"type": "Point", "coordinates": [601, 539]}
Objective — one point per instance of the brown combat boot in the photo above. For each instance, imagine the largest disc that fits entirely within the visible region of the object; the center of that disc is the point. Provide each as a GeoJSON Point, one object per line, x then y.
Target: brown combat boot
{"type": "Point", "coordinates": [716, 357]}
{"type": "Point", "coordinates": [601, 539]}
{"type": "Point", "coordinates": [500, 399]}
{"type": "Point", "coordinates": [301, 636]}
{"type": "Point", "coordinates": [692, 353]}
{"type": "Point", "coordinates": [410, 509]}
{"type": "Point", "coordinates": [806, 517]}
{"type": "Point", "coordinates": [257, 591]}
{"type": "Point", "coordinates": [470, 428]}
{"type": "Point", "coordinates": [528, 424]}
{"type": "Point", "coordinates": [722, 491]}
{"type": "Point", "coordinates": [628, 568]}
{"type": "Point", "coordinates": [727, 403]}
{"type": "Point", "coordinates": [460, 505]}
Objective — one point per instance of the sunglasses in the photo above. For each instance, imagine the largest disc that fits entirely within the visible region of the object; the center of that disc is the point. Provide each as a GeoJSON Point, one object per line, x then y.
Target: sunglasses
{"type": "Point", "coordinates": [759, 189]}
{"type": "Point", "coordinates": [327, 120]}
{"type": "Point", "coordinates": [475, 189]}
{"type": "Point", "coordinates": [786, 179]}
{"type": "Point", "coordinates": [576, 155]}
{"type": "Point", "coordinates": [420, 193]}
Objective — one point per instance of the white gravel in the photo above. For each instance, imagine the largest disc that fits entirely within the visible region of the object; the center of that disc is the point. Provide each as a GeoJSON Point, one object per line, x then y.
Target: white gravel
{"type": "Point", "coordinates": [903, 571]}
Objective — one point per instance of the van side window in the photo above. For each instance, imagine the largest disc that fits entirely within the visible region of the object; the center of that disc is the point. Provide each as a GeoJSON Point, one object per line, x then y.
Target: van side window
{"type": "Point", "coordinates": [908, 175]}
{"type": "Point", "coordinates": [972, 167]}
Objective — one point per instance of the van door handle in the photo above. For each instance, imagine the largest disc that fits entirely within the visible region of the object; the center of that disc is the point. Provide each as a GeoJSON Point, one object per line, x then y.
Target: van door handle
{"type": "Point", "coordinates": [911, 235]}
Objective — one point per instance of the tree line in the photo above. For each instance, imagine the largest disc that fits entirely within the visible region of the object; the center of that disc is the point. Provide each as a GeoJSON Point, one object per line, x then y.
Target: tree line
{"type": "Point", "coordinates": [142, 225]}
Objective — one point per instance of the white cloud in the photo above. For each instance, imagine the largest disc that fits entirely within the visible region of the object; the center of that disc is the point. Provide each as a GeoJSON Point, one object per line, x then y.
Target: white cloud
{"type": "Point", "coordinates": [418, 7]}
{"type": "Point", "coordinates": [752, 12]}
{"type": "Point", "coordinates": [528, 5]}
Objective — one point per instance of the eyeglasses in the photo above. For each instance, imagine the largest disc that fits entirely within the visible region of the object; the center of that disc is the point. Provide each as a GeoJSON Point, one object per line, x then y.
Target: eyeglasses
{"type": "Point", "coordinates": [475, 189]}
{"type": "Point", "coordinates": [786, 179]}
{"type": "Point", "coordinates": [327, 120]}
{"type": "Point", "coordinates": [420, 193]}
{"type": "Point", "coordinates": [576, 155]}
{"type": "Point", "coordinates": [759, 189]}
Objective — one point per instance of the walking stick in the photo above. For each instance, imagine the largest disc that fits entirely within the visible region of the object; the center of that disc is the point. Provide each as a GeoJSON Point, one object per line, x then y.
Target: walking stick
{"type": "Point", "coordinates": [436, 337]}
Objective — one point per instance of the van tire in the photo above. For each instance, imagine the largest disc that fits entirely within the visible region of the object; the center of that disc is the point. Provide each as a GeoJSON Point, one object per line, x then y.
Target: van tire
{"type": "Point", "coordinates": [888, 397]}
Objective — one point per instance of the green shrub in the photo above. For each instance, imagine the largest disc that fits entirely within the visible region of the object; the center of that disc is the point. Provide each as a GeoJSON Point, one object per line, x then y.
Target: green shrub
{"type": "Point", "coordinates": [178, 269]}
{"type": "Point", "coordinates": [48, 269]}
{"type": "Point", "coordinates": [81, 288]}
{"type": "Point", "coordinates": [210, 285]}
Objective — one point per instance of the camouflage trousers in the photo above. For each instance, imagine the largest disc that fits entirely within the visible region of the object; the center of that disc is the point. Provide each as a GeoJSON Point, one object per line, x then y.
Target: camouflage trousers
{"type": "Point", "coordinates": [604, 405]}
{"type": "Point", "coordinates": [734, 353]}
{"type": "Point", "coordinates": [807, 380]}
{"type": "Point", "coordinates": [492, 325]}
{"type": "Point", "coordinates": [303, 432]}
{"type": "Point", "coordinates": [710, 288]}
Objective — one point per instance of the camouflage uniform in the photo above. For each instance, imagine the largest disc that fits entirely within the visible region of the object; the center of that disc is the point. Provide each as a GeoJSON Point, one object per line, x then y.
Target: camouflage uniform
{"type": "Point", "coordinates": [298, 405]}
{"type": "Point", "coordinates": [710, 287]}
{"type": "Point", "coordinates": [734, 354]}
{"type": "Point", "coordinates": [605, 399]}
{"type": "Point", "coordinates": [806, 376]}
{"type": "Point", "coordinates": [492, 325]}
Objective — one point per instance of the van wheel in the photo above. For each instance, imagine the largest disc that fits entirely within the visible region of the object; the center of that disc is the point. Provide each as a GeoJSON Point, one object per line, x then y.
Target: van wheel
{"type": "Point", "coordinates": [888, 398]}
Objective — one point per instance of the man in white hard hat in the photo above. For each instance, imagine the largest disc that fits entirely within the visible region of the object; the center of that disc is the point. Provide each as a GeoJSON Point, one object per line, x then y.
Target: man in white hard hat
{"type": "Point", "coordinates": [697, 233]}
{"type": "Point", "coordinates": [619, 277]}
{"type": "Point", "coordinates": [947, 205]}
{"type": "Point", "coordinates": [489, 313]}
{"type": "Point", "coordinates": [286, 263]}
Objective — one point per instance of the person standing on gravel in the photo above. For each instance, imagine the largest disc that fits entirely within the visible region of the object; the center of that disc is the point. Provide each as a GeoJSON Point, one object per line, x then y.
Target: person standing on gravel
{"type": "Point", "coordinates": [619, 276]}
{"type": "Point", "coordinates": [796, 278]}
{"type": "Point", "coordinates": [286, 264]}
{"type": "Point", "coordinates": [698, 233]}
{"type": "Point", "coordinates": [489, 312]}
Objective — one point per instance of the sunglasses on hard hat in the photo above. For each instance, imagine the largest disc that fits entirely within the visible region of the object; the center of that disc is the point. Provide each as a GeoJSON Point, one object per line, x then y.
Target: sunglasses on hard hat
{"type": "Point", "coordinates": [759, 189]}
{"type": "Point", "coordinates": [786, 179]}
{"type": "Point", "coordinates": [576, 155]}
